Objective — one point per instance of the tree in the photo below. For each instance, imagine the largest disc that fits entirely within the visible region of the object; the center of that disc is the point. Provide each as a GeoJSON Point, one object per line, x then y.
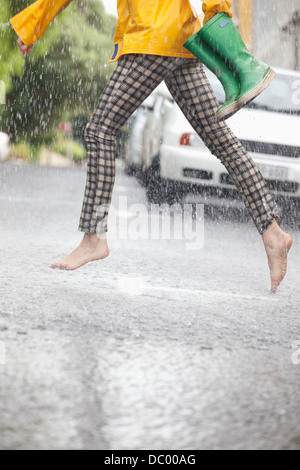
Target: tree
{"type": "Point", "coordinates": [64, 76]}
{"type": "Point", "coordinates": [10, 61]}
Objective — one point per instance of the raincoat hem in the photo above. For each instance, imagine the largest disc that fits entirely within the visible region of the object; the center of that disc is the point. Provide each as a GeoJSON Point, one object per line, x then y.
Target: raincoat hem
{"type": "Point", "coordinates": [19, 33]}
{"type": "Point", "coordinates": [153, 52]}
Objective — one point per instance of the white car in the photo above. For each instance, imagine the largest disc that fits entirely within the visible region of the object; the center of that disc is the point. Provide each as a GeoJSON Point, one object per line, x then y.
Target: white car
{"type": "Point", "coordinates": [4, 146]}
{"type": "Point", "coordinates": [134, 145]}
{"type": "Point", "coordinates": [147, 126]}
{"type": "Point", "coordinates": [269, 129]}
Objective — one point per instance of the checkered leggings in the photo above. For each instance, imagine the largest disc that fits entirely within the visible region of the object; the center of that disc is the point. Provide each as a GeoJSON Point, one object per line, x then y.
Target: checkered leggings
{"type": "Point", "coordinates": [135, 77]}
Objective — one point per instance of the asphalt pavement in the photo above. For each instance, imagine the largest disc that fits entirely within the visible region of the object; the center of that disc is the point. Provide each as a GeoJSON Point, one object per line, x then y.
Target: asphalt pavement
{"type": "Point", "coordinates": [160, 346]}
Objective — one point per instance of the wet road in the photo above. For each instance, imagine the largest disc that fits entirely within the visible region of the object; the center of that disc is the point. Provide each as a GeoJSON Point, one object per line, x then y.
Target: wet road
{"type": "Point", "coordinates": [157, 347]}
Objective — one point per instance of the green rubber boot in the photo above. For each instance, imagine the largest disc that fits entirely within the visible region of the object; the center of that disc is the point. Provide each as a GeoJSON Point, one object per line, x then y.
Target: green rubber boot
{"type": "Point", "coordinates": [217, 65]}
{"type": "Point", "coordinates": [225, 40]}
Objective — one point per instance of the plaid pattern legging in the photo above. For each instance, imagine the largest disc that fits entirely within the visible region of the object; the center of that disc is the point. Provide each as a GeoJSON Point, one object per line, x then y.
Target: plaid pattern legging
{"type": "Point", "coordinates": [135, 77]}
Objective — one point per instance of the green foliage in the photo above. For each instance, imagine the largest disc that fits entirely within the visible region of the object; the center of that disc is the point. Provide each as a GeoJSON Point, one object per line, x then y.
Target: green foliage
{"type": "Point", "coordinates": [70, 148]}
{"type": "Point", "coordinates": [24, 151]}
{"type": "Point", "coordinates": [10, 61]}
{"type": "Point", "coordinates": [63, 77]}
{"type": "Point", "coordinates": [79, 123]}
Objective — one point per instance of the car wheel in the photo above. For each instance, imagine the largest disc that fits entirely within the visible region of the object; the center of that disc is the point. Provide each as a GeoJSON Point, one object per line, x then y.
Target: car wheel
{"type": "Point", "coordinates": [132, 170]}
{"type": "Point", "coordinates": [161, 191]}
{"type": "Point", "coordinates": [129, 169]}
{"type": "Point", "coordinates": [290, 212]}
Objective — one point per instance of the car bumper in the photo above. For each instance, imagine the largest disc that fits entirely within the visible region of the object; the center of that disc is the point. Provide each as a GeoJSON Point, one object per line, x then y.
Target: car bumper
{"type": "Point", "coordinates": [198, 167]}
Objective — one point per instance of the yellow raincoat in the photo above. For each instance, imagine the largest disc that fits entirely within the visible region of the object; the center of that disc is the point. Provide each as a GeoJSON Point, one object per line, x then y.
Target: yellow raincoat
{"type": "Point", "coordinates": [31, 24]}
{"type": "Point", "coordinates": [158, 27]}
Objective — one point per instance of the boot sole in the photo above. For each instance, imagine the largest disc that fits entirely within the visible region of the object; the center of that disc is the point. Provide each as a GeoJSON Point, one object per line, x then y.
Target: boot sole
{"type": "Point", "coordinates": [228, 112]}
{"type": "Point", "coordinates": [252, 94]}
{"type": "Point", "coordinates": [246, 99]}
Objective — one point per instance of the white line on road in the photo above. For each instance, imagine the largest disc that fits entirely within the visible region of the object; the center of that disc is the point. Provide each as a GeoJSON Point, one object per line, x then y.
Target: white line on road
{"type": "Point", "coordinates": [138, 287]}
{"type": "Point", "coordinates": [215, 293]}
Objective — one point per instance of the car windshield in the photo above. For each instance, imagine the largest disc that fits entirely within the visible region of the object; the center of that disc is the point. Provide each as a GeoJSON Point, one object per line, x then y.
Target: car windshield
{"type": "Point", "coordinates": [282, 96]}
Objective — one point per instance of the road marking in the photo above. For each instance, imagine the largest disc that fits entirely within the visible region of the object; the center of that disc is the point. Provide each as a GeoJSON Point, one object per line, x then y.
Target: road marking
{"type": "Point", "coordinates": [138, 287]}
{"type": "Point", "coordinates": [215, 293]}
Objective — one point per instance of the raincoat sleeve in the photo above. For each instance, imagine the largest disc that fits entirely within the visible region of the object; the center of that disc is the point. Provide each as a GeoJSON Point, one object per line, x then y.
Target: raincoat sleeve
{"type": "Point", "coordinates": [31, 24]}
{"type": "Point", "coordinates": [211, 7]}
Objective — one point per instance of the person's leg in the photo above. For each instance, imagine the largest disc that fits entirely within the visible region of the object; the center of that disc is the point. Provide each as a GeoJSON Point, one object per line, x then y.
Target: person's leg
{"type": "Point", "coordinates": [192, 91]}
{"type": "Point", "coordinates": [135, 77]}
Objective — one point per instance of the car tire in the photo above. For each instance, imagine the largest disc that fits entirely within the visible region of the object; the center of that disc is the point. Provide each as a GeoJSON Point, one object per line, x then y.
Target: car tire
{"type": "Point", "coordinates": [290, 212]}
{"type": "Point", "coordinates": [132, 170]}
{"type": "Point", "coordinates": [162, 191]}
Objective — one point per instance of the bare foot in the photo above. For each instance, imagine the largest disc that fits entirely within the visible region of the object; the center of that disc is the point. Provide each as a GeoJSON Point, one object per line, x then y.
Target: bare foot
{"type": "Point", "coordinates": [92, 248]}
{"type": "Point", "coordinates": [277, 245]}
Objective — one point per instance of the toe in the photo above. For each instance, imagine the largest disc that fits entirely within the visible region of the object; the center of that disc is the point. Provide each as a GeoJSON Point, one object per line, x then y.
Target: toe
{"type": "Point", "coordinates": [276, 281]}
{"type": "Point", "coordinates": [53, 265]}
{"type": "Point", "coordinates": [274, 287]}
{"type": "Point", "coordinates": [64, 267]}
